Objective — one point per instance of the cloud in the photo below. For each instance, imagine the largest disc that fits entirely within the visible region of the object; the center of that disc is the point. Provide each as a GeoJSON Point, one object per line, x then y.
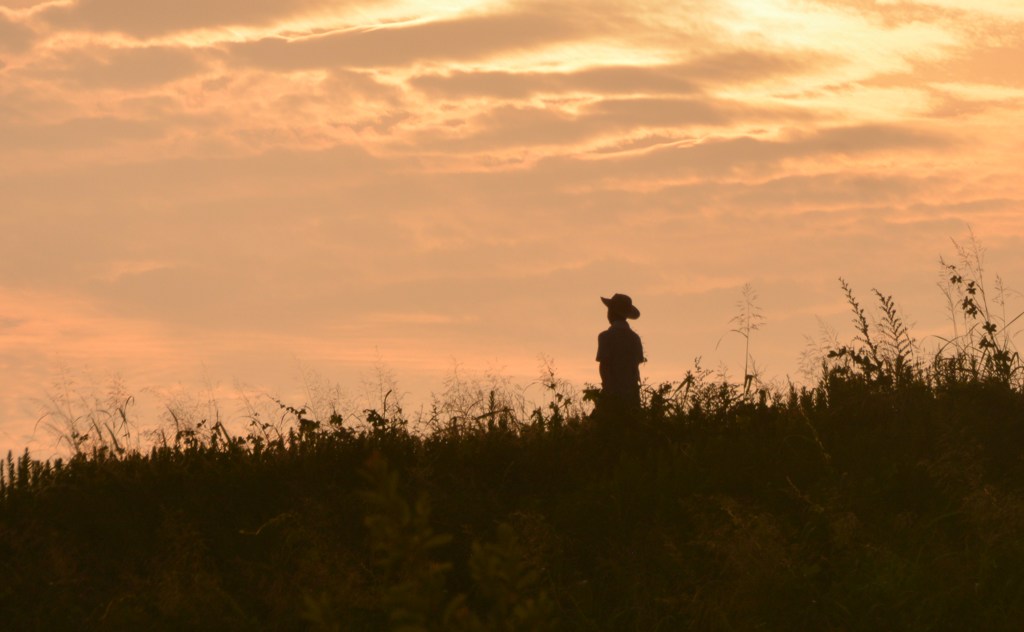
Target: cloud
{"type": "Point", "coordinates": [995, 206]}
{"type": "Point", "coordinates": [783, 196]}
{"type": "Point", "coordinates": [661, 112]}
{"type": "Point", "coordinates": [125, 68]}
{"type": "Point", "coordinates": [22, 4]}
{"type": "Point", "coordinates": [273, 174]}
{"type": "Point", "coordinates": [894, 13]}
{"type": "Point", "coordinates": [737, 66]}
{"type": "Point", "coordinates": [466, 38]}
{"type": "Point", "coordinates": [525, 126]}
{"type": "Point", "coordinates": [1007, 9]}
{"type": "Point", "coordinates": [605, 187]}
{"type": "Point", "coordinates": [867, 138]}
{"type": "Point", "coordinates": [159, 17]}
{"type": "Point", "coordinates": [520, 85]}
{"type": "Point", "coordinates": [347, 99]}
{"type": "Point", "coordinates": [86, 132]}
{"type": "Point", "coordinates": [685, 78]}
{"type": "Point", "coordinates": [998, 65]}
{"type": "Point", "coordinates": [724, 156]}
{"type": "Point", "coordinates": [348, 82]}
{"type": "Point", "coordinates": [831, 190]}
{"type": "Point", "coordinates": [14, 36]}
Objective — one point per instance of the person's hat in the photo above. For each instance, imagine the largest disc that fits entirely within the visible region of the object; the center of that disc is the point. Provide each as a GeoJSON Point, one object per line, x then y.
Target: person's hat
{"type": "Point", "coordinates": [621, 305]}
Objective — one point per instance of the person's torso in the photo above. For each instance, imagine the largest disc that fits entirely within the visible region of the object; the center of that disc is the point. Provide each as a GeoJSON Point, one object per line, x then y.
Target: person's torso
{"type": "Point", "coordinates": [620, 354]}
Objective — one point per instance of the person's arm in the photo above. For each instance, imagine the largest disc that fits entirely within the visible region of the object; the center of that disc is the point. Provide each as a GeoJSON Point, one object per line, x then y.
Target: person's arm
{"type": "Point", "coordinates": [602, 356]}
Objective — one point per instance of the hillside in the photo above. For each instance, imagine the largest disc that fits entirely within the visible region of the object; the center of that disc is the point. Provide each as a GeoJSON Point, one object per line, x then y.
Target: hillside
{"type": "Point", "coordinates": [849, 506]}
{"type": "Point", "coordinates": [887, 496]}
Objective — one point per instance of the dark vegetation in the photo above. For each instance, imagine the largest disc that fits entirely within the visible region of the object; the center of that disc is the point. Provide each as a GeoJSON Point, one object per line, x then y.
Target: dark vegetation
{"type": "Point", "coordinates": [889, 495]}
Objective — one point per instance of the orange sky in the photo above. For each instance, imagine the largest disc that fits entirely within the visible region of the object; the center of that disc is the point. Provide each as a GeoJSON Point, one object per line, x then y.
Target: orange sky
{"type": "Point", "coordinates": [231, 195]}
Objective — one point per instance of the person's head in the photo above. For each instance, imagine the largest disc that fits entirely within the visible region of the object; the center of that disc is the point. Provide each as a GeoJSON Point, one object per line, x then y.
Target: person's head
{"type": "Point", "coordinates": [620, 307]}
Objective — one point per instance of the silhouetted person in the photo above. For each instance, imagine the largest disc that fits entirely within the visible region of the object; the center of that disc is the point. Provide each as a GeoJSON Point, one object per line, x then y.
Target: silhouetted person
{"type": "Point", "coordinates": [620, 353]}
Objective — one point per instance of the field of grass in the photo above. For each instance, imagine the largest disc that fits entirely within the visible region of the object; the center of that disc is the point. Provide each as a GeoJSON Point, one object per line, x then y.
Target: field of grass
{"type": "Point", "coordinates": [887, 496]}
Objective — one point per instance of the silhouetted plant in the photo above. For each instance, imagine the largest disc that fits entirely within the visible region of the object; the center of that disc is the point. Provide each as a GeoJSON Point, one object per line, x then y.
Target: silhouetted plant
{"type": "Point", "coordinates": [472, 404]}
{"type": "Point", "coordinates": [87, 420]}
{"type": "Point", "coordinates": [982, 346]}
{"type": "Point", "coordinates": [883, 354]}
{"type": "Point", "coordinates": [387, 421]}
{"type": "Point", "coordinates": [898, 350]}
{"type": "Point", "coordinates": [747, 320]}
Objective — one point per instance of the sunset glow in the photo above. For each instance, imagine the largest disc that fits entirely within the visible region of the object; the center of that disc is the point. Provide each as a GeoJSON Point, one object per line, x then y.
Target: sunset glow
{"type": "Point", "coordinates": [244, 192]}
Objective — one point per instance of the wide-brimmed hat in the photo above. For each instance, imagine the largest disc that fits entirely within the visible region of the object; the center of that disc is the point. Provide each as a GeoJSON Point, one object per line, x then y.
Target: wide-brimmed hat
{"type": "Point", "coordinates": [621, 305]}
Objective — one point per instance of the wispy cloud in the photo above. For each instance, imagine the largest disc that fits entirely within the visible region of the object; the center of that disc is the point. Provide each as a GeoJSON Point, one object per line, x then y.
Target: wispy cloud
{"type": "Point", "coordinates": [78, 133]}
{"type": "Point", "coordinates": [14, 36]}
{"type": "Point", "coordinates": [466, 38]}
{"type": "Point", "coordinates": [683, 78]}
{"type": "Point", "coordinates": [128, 68]}
{"type": "Point", "coordinates": [521, 85]}
{"type": "Point", "coordinates": [552, 126]}
{"type": "Point", "coordinates": [160, 17]}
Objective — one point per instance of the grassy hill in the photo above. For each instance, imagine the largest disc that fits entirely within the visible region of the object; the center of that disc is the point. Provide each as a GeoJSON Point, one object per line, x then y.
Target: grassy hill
{"type": "Point", "coordinates": [888, 496]}
{"type": "Point", "coordinates": [849, 506]}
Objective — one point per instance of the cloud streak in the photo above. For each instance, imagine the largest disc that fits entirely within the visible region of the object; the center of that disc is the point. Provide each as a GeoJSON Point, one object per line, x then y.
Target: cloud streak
{"type": "Point", "coordinates": [120, 68]}
{"type": "Point", "coordinates": [160, 17]}
{"type": "Point", "coordinates": [685, 78]}
{"type": "Point", "coordinates": [14, 36]}
{"type": "Point", "coordinates": [466, 38]}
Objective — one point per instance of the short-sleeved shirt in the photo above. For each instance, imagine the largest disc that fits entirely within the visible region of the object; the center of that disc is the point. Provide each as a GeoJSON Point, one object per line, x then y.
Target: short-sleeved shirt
{"type": "Point", "coordinates": [620, 353]}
